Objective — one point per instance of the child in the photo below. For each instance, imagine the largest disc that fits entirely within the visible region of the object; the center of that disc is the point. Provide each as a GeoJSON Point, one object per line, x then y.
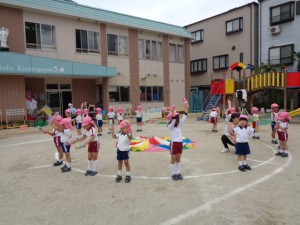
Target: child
{"type": "Point", "coordinates": [139, 118]}
{"type": "Point", "coordinates": [229, 113]}
{"type": "Point", "coordinates": [228, 137]}
{"type": "Point", "coordinates": [99, 119]}
{"type": "Point", "coordinates": [78, 122]}
{"type": "Point", "coordinates": [242, 133]}
{"type": "Point", "coordinates": [120, 115]}
{"type": "Point", "coordinates": [89, 133]}
{"type": "Point", "coordinates": [255, 122]}
{"type": "Point", "coordinates": [282, 128]}
{"type": "Point", "coordinates": [56, 139]}
{"type": "Point", "coordinates": [176, 145]}
{"type": "Point", "coordinates": [85, 112]}
{"type": "Point", "coordinates": [213, 118]}
{"type": "Point", "coordinates": [274, 114]}
{"type": "Point", "coordinates": [111, 118]}
{"type": "Point", "coordinates": [65, 126]}
{"type": "Point", "coordinates": [123, 146]}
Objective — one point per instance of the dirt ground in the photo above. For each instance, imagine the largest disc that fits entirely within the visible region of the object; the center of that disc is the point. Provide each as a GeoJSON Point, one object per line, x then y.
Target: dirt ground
{"type": "Point", "coordinates": [213, 191]}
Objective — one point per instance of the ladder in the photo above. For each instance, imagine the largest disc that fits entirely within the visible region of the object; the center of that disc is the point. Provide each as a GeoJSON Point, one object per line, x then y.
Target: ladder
{"type": "Point", "coordinates": [213, 102]}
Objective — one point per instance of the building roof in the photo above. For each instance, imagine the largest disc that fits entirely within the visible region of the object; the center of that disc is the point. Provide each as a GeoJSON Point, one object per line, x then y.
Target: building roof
{"type": "Point", "coordinates": [71, 8]}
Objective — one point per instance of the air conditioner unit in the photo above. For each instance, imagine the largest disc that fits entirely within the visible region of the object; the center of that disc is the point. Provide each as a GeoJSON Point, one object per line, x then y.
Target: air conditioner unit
{"type": "Point", "coordinates": [275, 29]}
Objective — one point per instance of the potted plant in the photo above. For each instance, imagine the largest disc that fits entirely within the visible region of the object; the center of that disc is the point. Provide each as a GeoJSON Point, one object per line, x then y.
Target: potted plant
{"type": "Point", "coordinates": [297, 58]}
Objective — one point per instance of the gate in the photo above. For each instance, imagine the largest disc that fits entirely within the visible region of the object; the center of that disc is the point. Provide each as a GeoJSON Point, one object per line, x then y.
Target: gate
{"type": "Point", "coordinates": [196, 101]}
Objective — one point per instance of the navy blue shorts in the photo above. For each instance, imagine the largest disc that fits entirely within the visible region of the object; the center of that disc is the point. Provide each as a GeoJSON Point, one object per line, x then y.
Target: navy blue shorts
{"type": "Point", "coordinates": [122, 155]}
{"type": "Point", "coordinates": [65, 148]}
{"type": "Point", "coordinates": [78, 125]}
{"type": "Point", "coordinates": [99, 123]}
{"type": "Point", "coordinates": [242, 149]}
{"type": "Point", "coordinates": [139, 119]}
{"type": "Point", "coordinates": [273, 125]}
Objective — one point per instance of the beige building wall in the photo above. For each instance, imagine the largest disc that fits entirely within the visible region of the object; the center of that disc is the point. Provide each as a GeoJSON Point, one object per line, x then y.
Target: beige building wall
{"type": "Point", "coordinates": [216, 42]}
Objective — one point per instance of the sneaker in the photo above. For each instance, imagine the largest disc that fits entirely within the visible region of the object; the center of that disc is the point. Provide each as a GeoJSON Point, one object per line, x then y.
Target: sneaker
{"type": "Point", "coordinates": [65, 166]}
{"type": "Point", "coordinates": [118, 178]}
{"type": "Point", "coordinates": [242, 168]}
{"type": "Point", "coordinates": [274, 142]}
{"type": "Point", "coordinates": [57, 163]}
{"type": "Point", "coordinates": [179, 176]}
{"type": "Point", "coordinates": [257, 137]}
{"type": "Point", "coordinates": [278, 147]}
{"type": "Point", "coordinates": [279, 154]}
{"type": "Point", "coordinates": [93, 173]}
{"type": "Point", "coordinates": [225, 150]}
{"type": "Point", "coordinates": [253, 137]}
{"type": "Point", "coordinates": [127, 179]}
{"type": "Point", "coordinates": [141, 130]}
{"type": "Point", "coordinates": [284, 155]}
{"type": "Point", "coordinates": [137, 130]}
{"type": "Point", "coordinates": [88, 172]}
{"type": "Point", "coordinates": [247, 167]}
{"type": "Point", "coordinates": [174, 177]}
{"type": "Point", "coordinates": [66, 169]}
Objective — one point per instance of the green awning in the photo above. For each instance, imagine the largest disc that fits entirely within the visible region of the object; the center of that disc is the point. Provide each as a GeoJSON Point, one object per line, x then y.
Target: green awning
{"type": "Point", "coordinates": [15, 63]}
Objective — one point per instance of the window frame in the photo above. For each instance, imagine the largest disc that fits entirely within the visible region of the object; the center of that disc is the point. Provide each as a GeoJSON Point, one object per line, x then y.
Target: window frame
{"type": "Point", "coordinates": [120, 95]}
{"type": "Point", "coordinates": [197, 61]}
{"type": "Point", "coordinates": [241, 25]}
{"type": "Point", "coordinates": [142, 45]}
{"type": "Point", "coordinates": [177, 53]}
{"type": "Point", "coordinates": [39, 45]}
{"type": "Point", "coordinates": [291, 12]}
{"type": "Point", "coordinates": [117, 45]}
{"type": "Point", "coordinates": [87, 33]}
{"type": "Point", "coordinates": [226, 62]}
{"type": "Point", "coordinates": [194, 33]}
{"type": "Point", "coordinates": [281, 58]}
{"type": "Point", "coordinates": [149, 92]}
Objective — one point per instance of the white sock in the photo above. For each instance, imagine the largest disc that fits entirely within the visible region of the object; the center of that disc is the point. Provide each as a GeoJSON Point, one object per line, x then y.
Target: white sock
{"type": "Point", "coordinates": [119, 172]}
{"type": "Point", "coordinates": [127, 173]}
{"type": "Point", "coordinates": [68, 164]}
{"type": "Point", "coordinates": [177, 168]}
{"type": "Point", "coordinates": [240, 163]}
{"type": "Point", "coordinates": [95, 165]}
{"type": "Point", "coordinates": [245, 162]}
{"type": "Point", "coordinates": [280, 150]}
{"type": "Point", "coordinates": [173, 169]}
{"type": "Point", "coordinates": [89, 165]}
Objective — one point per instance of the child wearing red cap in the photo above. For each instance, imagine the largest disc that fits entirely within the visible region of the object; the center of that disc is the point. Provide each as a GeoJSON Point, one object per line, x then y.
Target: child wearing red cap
{"type": "Point", "coordinates": [176, 144]}
{"type": "Point", "coordinates": [99, 119]}
{"type": "Point", "coordinates": [89, 133]}
{"type": "Point", "coordinates": [65, 126]}
{"type": "Point", "coordinates": [78, 120]}
{"type": "Point", "coordinates": [282, 128]}
{"type": "Point", "coordinates": [213, 118]}
{"type": "Point", "coordinates": [120, 115]}
{"type": "Point", "coordinates": [274, 114]}
{"type": "Point", "coordinates": [111, 118]}
{"type": "Point", "coordinates": [123, 146]}
{"type": "Point", "coordinates": [255, 121]}
{"type": "Point", "coordinates": [242, 133]}
{"type": "Point", "coordinates": [139, 118]}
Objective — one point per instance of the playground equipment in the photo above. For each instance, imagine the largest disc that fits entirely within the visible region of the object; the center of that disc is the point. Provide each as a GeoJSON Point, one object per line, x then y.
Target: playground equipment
{"type": "Point", "coordinates": [294, 113]}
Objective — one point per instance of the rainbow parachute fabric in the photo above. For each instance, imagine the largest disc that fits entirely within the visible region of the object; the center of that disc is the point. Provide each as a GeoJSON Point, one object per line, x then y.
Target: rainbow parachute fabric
{"type": "Point", "coordinates": [156, 144]}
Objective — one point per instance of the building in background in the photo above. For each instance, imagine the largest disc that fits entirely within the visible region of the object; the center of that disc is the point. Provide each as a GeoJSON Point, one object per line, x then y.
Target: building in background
{"type": "Point", "coordinates": [66, 52]}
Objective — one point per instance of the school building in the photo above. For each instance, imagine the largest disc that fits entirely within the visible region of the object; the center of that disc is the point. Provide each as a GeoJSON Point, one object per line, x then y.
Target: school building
{"type": "Point", "coordinates": [67, 52]}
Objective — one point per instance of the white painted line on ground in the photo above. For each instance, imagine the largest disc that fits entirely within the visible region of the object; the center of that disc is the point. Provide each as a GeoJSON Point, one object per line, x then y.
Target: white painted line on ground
{"type": "Point", "coordinates": [254, 160]}
{"type": "Point", "coordinates": [39, 167]}
{"type": "Point", "coordinates": [209, 204]}
{"type": "Point", "coordinates": [24, 143]}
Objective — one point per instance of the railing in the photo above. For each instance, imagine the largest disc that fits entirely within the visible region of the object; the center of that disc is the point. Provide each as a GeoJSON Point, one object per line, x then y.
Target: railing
{"type": "Point", "coordinates": [265, 80]}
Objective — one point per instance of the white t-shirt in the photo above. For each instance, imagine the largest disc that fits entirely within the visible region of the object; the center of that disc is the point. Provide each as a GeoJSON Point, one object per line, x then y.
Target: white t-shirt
{"type": "Point", "coordinates": [120, 116]}
{"type": "Point", "coordinates": [138, 113]}
{"type": "Point", "coordinates": [242, 134]}
{"type": "Point", "coordinates": [90, 132]}
{"type": "Point", "coordinates": [99, 117]}
{"type": "Point", "coordinates": [282, 126]}
{"type": "Point", "coordinates": [274, 116]}
{"type": "Point", "coordinates": [228, 117]}
{"type": "Point", "coordinates": [78, 119]}
{"type": "Point", "coordinates": [213, 114]}
{"type": "Point", "coordinates": [123, 142]}
{"type": "Point", "coordinates": [176, 135]}
{"type": "Point", "coordinates": [66, 136]}
{"type": "Point", "coordinates": [255, 117]}
{"type": "Point", "coordinates": [56, 133]}
{"type": "Point", "coordinates": [111, 115]}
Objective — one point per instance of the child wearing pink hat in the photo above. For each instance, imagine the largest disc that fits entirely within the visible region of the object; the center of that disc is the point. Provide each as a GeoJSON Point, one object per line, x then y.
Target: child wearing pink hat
{"type": "Point", "coordinates": [120, 115]}
{"type": "Point", "coordinates": [123, 146]}
{"type": "Point", "coordinates": [176, 145]}
{"type": "Point", "coordinates": [56, 139]}
{"type": "Point", "coordinates": [282, 128]}
{"type": "Point", "coordinates": [242, 133]}
{"type": "Point", "coordinates": [255, 121]}
{"type": "Point", "coordinates": [111, 117]}
{"type": "Point", "coordinates": [230, 111]}
{"type": "Point", "coordinates": [99, 119]}
{"type": "Point", "coordinates": [85, 112]}
{"type": "Point", "coordinates": [89, 134]}
{"type": "Point", "coordinates": [213, 118]}
{"type": "Point", "coordinates": [78, 120]}
{"type": "Point", "coordinates": [139, 118]}
{"type": "Point", "coordinates": [65, 126]}
{"type": "Point", "coordinates": [274, 114]}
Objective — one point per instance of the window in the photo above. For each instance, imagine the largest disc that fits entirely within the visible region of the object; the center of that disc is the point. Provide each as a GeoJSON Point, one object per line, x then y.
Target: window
{"type": "Point", "coordinates": [151, 93]}
{"type": "Point", "coordinates": [117, 44]}
{"type": "Point", "coordinates": [176, 53]}
{"type": "Point", "coordinates": [119, 94]}
{"type": "Point", "coordinates": [149, 49]}
{"type": "Point", "coordinates": [241, 57]}
{"type": "Point", "coordinates": [87, 41]}
{"type": "Point", "coordinates": [220, 62]}
{"type": "Point", "coordinates": [298, 8]}
{"type": "Point", "coordinates": [199, 36]}
{"type": "Point", "coordinates": [199, 65]}
{"type": "Point", "coordinates": [234, 25]}
{"type": "Point", "coordinates": [282, 13]}
{"type": "Point", "coordinates": [40, 36]}
{"type": "Point", "coordinates": [282, 55]}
